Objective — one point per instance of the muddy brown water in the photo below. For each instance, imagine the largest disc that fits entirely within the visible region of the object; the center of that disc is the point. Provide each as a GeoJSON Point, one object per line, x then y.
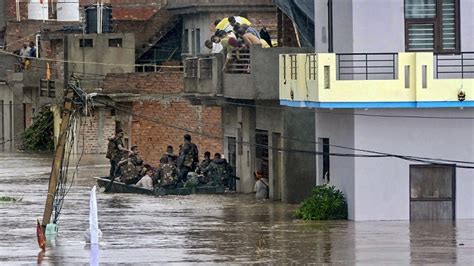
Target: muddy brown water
{"type": "Point", "coordinates": [233, 228]}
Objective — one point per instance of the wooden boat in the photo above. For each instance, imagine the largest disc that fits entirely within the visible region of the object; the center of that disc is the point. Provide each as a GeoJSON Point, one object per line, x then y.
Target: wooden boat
{"type": "Point", "coordinates": [119, 187]}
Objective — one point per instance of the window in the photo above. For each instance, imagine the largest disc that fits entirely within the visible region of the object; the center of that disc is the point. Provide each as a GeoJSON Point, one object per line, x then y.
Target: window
{"type": "Point", "coordinates": [325, 165]}
{"type": "Point", "coordinates": [193, 42]}
{"type": "Point", "coordinates": [52, 9]}
{"type": "Point", "coordinates": [185, 41]}
{"type": "Point", "coordinates": [432, 25]}
{"type": "Point", "coordinates": [293, 67]}
{"type": "Point", "coordinates": [47, 88]}
{"type": "Point", "coordinates": [115, 42]}
{"type": "Point", "coordinates": [198, 40]}
{"type": "Point", "coordinates": [85, 43]}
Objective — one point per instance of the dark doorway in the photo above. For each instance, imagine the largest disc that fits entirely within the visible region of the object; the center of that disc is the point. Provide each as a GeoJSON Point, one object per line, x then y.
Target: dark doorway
{"type": "Point", "coordinates": [232, 155]}
{"type": "Point", "coordinates": [261, 138]}
{"type": "Point", "coordinates": [432, 192]}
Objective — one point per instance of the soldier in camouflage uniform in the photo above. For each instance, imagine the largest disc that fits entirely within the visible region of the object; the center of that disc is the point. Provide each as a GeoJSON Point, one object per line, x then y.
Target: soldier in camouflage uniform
{"type": "Point", "coordinates": [167, 174]}
{"type": "Point", "coordinates": [204, 178]}
{"type": "Point", "coordinates": [132, 167]}
{"type": "Point", "coordinates": [169, 155]}
{"type": "Point", "coordinates": [218, 170]}
{"type": "Point", "coordinates": [115, 151]}
{"type": "Point", "coordinates": [188, 158]}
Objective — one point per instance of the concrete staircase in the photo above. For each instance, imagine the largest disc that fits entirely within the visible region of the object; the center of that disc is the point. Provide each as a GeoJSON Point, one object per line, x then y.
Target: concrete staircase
{"type": "Point", "coordinates": [157, 27]}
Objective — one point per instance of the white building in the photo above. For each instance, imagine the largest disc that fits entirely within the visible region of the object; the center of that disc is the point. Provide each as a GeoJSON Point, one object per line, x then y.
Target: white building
{"type": "Point", "coordinates": [415, 99]}
{"type": "Point", "coordinates": [64, 10]}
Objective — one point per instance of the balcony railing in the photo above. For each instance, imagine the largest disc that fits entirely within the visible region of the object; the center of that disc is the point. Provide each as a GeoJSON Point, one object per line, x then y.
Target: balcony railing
{"type": "Point", "coordinates": [240, 64]}
{"type": "Point", "coordinates": [250, 76]}
{"type": "Point", "coordinates": [455, 66]}
{"type": "Point", "coordinates": [413, 80]}
{"type": "Point", "coordinates": [365, 66]}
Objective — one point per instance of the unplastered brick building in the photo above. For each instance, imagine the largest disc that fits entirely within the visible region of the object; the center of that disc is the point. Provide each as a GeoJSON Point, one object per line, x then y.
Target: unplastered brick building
{"type": "Point", "coordinates": [151, 110]}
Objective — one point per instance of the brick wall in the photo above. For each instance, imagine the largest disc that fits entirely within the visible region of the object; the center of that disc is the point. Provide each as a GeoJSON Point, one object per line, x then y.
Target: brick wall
{"type": "Point", "coordinates": [267, 19]}
{"type": "Point", "coordinates": [95, 130]}
{"type": "Point", "coordinates": [161, 101]}
{"type": "Point", "coordinates": [286, 31]}
{"type": "Point", "coordinates": [11, 9]}
{"type": "Point", "coordinates": [152, 138]}
{"type": "Point", "coordinates": [21, 32]}
{"type": "Point", "coordinates": [166, 82]}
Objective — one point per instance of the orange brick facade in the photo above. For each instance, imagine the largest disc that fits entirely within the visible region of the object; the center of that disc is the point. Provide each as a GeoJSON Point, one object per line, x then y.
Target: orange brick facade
{"type": "Point", "coordinates": [164, 122]}
{"type": "Point", "coordinates": [161, 116]}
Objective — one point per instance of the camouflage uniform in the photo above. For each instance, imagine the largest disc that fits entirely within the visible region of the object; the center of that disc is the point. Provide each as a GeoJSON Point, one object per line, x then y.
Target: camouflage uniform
{"type": "Point", "coordinates": [132, 169]}
{"type": "Point", "coordinates": [187, 160]}
{"type": "Point", "coordinates": [167, 174]}
{"type": "Point", "coordinates": [169, 157]}
{"type": "Point", "coordinates": [218, 171]}
{"type": "Point", "coordinates": [116, 156]}
{"type": "Point", "coordinates": [204, 179]}
{"type": "Point", "coordinates": [130, 172]}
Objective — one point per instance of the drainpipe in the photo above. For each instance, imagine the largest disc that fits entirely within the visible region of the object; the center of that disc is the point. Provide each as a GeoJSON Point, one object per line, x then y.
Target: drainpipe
{"type": "Point", "coordinates": [42, 10]}
{"type": "Point", "coordinates": [99, 17]}
{"type": "Point", "coordinates": [37, 42]}
{"type": "Point", "coordinates": [17, 10]}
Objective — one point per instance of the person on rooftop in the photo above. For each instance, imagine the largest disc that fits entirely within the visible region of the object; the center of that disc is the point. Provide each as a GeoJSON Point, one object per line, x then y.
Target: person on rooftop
{"type": "Point", "coordinates": [215, 47]}
{"type": "Point", "coordinates": [249, 37]}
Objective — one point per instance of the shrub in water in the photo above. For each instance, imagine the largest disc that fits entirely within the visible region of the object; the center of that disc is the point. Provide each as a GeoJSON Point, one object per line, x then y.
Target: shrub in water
{"type": "Point", "coordinates": [39, 136]}
{"type": "Point", "coordinates": [325, 203]}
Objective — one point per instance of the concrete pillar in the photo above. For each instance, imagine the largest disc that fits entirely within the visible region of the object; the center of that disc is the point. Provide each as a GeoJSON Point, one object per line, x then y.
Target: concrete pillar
{"type": "Point", "coordinates": [299, 169]}
{"type": "Point", "coordinates": [274, 163]}
{"type": "Point", "coordinates": [246, 149]}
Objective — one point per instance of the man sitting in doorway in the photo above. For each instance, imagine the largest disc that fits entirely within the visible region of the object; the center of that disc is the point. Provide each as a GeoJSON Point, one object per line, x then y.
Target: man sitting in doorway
{"type": "Point", "coordinates": [261, 186]}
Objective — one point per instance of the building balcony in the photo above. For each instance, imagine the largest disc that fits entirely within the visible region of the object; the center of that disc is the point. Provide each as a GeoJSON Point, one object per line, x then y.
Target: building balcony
{"type": "Point", "coordinates": [251, 76]}
{"type": "Point", "coordinates": [389, 80]}
{"type": "Point", "coordinates": [31, 75]}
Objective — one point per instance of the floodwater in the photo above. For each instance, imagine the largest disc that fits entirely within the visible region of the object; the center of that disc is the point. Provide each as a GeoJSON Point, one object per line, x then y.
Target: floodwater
{"type": "Point", "coordinates": [232, 228]}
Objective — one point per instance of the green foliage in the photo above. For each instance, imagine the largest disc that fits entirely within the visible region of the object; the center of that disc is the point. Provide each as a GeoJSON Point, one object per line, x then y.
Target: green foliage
{"type": "Point", "coordinates": [7, 199]}
{"type": "Point", "coordinates": [325, 203]}
{"type": "Point", "coordinates": [39, 136]}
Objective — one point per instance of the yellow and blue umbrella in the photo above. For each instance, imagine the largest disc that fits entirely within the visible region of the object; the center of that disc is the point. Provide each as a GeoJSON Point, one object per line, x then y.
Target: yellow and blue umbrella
{"type": "Point", "coordinates": [225, 25]}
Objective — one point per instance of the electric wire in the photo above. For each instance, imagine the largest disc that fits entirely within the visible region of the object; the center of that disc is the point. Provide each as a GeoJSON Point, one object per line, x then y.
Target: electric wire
{"type": "Point", "coordinates": [384, 155]}
{"type": "Point", "coordinates": [84, 62]}
{"type": "Point", "coordinates": [349, 148]}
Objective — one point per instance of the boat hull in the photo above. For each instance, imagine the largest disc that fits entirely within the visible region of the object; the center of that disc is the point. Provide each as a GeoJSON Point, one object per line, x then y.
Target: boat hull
{"type": "Point", "coordinates": [119, 187]}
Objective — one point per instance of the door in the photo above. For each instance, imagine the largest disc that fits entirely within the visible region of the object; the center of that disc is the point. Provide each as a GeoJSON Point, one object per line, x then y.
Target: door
{"type": "Point", "coordinates": [432, 192]}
